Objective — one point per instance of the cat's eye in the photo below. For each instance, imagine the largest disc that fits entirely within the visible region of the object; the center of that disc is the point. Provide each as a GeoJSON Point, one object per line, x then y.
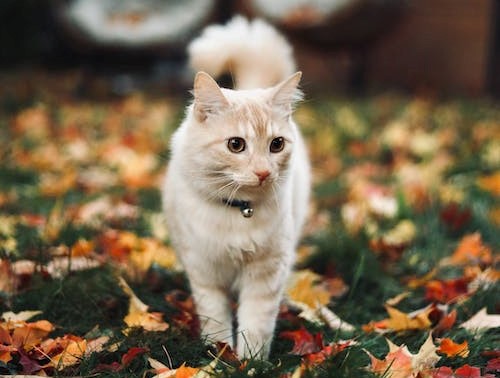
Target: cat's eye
{"type": "Point", "coordinates": [236, 144]}
{"type": "Point", "coordinates": [277, 145]}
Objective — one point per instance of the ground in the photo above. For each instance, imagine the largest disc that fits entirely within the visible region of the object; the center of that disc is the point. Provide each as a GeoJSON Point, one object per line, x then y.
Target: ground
{"type": "Point", "coordinates": [401, 243]}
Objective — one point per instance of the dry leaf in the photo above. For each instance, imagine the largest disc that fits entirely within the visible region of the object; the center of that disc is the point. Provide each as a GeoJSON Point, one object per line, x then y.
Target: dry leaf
{"type": "Point", "coordinates": [451, 349]}
{"type": "Point", "coordinates": [400, 363]}
{"type": "Point", "coordinates": [20, 316]}
{"type": "Point", "coordinates": [399, 321]}
{"type": "Point", "coordinates": [470, 250]}
{"type": "Point", "coordinates": [138, 315]}
{"type": "Point", "coordinates": [490, 183]}
{"type": "Point", "coordinates": [481, 321]}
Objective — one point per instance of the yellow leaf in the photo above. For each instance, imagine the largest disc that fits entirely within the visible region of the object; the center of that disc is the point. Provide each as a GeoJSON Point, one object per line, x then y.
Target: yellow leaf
{"type": "Point", "coordinates": [399, 321]}
{"type": "Point", "coordinates": [138, 315]}
{"type": "Point", "coordinates": [72, 354]}
{"type": "Point", "coordinates": [307, 288]}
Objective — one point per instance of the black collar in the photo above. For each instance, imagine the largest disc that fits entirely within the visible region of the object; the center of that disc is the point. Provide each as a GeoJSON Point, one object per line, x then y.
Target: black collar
{"type": "Point", "coordinates": [244, 206]}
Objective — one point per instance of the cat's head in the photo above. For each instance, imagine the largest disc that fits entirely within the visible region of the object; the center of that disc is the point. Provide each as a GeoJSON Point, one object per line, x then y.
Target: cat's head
{"type": "Point", "coordinates": [241, 141]}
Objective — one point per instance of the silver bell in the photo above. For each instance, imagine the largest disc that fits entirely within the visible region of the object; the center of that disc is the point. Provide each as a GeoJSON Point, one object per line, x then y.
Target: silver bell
{"type": "Point", "coordinates": [247, 212]}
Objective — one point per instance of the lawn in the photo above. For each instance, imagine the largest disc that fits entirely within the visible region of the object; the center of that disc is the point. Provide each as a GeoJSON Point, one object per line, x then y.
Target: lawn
{"type": "Point", "coordinates": [397, 275]}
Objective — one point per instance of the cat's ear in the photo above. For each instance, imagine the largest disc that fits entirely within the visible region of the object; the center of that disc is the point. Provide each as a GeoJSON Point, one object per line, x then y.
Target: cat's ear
{"type": "Point", "coordinates": [208, 97]}
{"type": "Point", "coordinates": [287, 93]}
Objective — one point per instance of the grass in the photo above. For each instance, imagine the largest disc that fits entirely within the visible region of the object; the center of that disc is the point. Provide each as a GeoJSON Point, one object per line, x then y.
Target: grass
{"type": "Point", "coordinates": [346, 136]}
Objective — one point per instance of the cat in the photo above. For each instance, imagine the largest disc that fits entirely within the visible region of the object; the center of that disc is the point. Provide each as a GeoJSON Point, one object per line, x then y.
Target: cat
{"type": "Point", "coordinates": [237, 187]}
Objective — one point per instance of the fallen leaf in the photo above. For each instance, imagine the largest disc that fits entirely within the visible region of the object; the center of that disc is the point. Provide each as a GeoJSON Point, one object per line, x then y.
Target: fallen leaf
{"type": "Point", "coordinates": [470, 250]}
{"type": "Point", "coordinates": [451, 349]}
{"type": "Point", "coordinates": [481, 321]}
{"type": "Point", "coordinates": [131, 354]}
{"type": "Point", "coordinates": [446, 322]}
{"type": "Point", "coordinates": [493, 365]}
{"type": "Point", "coordinates": [455, 217]}
{"type": "Point", "coordinates": [73, 350]}
{"type": "Point", "coordinates": [20, 316]}
{"type": "Point", "coordinates": [307, 287]}
{"type": "Point", "coordinates": [447, 291]}
{"type": "Point", "coordinates": [27, 335]}
{"type": "Point", "coordinates": [400, 363]}
{"type": "Point", "coordinates": [303, 341]}
{"type": "Point", "coordinates": [490, 183]}
{"type": "Point", "coordinates": [399, 321]}
{"type": "Point", "coordinates": [138, 315]}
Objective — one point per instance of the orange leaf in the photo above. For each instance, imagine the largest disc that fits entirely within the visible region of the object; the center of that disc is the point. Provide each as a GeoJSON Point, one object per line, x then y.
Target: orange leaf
{"type": "Point", "coordinates": [185, 371]}
{"type": "Point", "coordinates": [27, 335]}
{"type": "Point", "coordinates": [397, 364]}
{"type": "Point", "coordinates": [452, 349]}
{"type": "Point", "coordinates": [471, 250]}
{"type": "Point", "coordinates": [446, 291]}
{"type": "Point", "coordinates": [6, 352]}
{"type": "Point", "coordinates": [490, 183]}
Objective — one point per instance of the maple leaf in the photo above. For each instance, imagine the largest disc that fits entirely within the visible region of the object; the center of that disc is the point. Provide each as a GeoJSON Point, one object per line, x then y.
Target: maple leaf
{"type": "Point", "coordinates": [6, 352]}
{"type": "Point", "coordinates": [490, 183]}
{"type": "Point", "coordinates": [451, 349]}
{"type": "Point", "coordinates": [470, 250]}
{"type": "Point", "coordinates": [308, 288]}
{"type": "Point", "coordinates": [28, 335]}
{"type": "Point", "coordinates": [399, 321]}
{"type": "Point", "coordinates": [186, 316]}
{"type": "Point", "coordinates": [481, 321]}
{"type": "Point", "coordinates": [493, 365]}
{"type": "Point", "coordinates": [20, 316]}
{"type": "Point", "coordinates": [138, 315]}
{"type": "Point", "coordinates": [303, 341]}
{"type": "Point", "coordinates": [446, 291]}
{"type": "Point", "coordinates": [400, 363]}
{"type": "Point", "coordinates": [455, 217]}
{"type": "Point", "coordinates": [73, 349]}
{"type": "Point", "coordinates": [446, 322]}
{"type": "Point", "coordinates": [311, 347]}
{"type": "Point", "coordinates": [310, 293]}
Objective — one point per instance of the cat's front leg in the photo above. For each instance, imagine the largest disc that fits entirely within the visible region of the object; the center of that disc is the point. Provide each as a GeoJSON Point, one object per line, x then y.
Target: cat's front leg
{"type": "Point", "coordinates": [259, 301]}
{"type": "Point", "coordinates": [214, 312]}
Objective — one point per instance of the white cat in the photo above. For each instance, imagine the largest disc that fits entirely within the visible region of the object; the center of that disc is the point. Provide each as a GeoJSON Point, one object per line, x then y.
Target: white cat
{"type": "Point", "coordinates": [237, 187]}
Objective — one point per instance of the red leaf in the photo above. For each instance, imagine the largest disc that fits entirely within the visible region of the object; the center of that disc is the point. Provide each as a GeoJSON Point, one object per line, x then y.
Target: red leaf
{"type": "Point", "coordinates": [446, 322]}
{"type": "Point", "coordinates": [442, 372]}
{"type": "Point", "coordinates": [468, 371]}
{"type": "Point", "coordinates": [455, 217]}
{"type": "Point", "coordinates": [186, 316]}
{"type": "Point", "coordinates": [493, 365]}
{"type": "Point", "coordinates": [114, 367]}
{"type": "Point", "coordinates": [304, 342]}
{"type": "Point", "coordinates": [131, 354]}
{"type": "Point", "coordinates": [446, 291]}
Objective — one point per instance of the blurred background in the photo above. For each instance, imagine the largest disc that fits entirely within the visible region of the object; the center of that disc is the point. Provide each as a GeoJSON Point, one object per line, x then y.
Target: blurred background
{"type": "Point", "coordinates": [353, 46]}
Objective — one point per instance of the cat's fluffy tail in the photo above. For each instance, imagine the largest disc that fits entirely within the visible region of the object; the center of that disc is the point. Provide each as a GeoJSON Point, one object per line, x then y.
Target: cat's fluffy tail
{"type": "Point", "coordinates": [253, 52]}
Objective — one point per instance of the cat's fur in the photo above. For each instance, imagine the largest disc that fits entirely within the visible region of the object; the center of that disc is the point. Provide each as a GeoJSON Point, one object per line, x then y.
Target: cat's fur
{"type": "Point", "coordinates": [225, 254]}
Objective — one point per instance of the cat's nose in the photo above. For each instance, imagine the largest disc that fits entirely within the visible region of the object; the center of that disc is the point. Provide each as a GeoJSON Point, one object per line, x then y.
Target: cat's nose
{"type": "Point", "coordinates": [262, 175]}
